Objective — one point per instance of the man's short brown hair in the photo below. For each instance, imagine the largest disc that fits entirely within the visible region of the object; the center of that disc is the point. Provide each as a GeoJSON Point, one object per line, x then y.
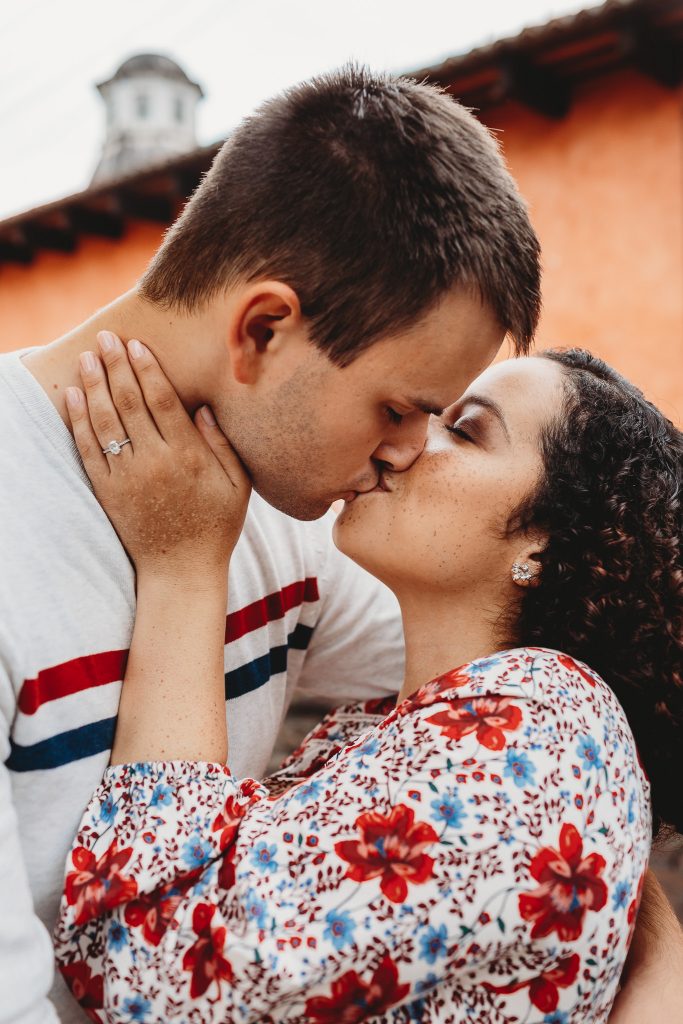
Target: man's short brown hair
{"type": "Point", "coordinates": [369, 195]}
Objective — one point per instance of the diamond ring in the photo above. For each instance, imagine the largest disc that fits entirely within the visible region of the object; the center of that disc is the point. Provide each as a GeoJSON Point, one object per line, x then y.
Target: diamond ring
{"type": "Point", "coordinates": [114, 447]}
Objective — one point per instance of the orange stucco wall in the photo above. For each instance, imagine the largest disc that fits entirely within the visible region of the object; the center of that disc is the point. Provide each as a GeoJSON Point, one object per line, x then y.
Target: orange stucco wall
{"type": "Point", "coordinates": [58, 290]}
{"type": "Point", "coordinates": [605, 187]}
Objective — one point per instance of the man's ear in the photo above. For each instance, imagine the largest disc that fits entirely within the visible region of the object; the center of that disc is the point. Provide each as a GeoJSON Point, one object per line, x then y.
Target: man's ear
{"type": "Point", "coordinates": [265, 316]}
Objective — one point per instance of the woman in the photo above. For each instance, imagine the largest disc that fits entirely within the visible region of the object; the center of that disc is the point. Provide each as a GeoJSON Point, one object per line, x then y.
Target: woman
{"type": "Point", "coordinates": [475, 852]}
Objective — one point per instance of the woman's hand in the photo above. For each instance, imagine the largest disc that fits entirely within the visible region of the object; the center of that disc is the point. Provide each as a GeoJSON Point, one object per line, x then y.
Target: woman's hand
{"type": "Point", "coordinates": [177, 494]}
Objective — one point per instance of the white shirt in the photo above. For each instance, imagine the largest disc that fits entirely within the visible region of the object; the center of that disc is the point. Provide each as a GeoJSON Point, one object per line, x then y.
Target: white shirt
{"type": "Point", "coordinates": [301, 618]}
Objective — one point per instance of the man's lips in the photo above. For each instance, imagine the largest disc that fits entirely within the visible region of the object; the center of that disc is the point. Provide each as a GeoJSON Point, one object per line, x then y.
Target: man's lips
{"type": "Point", "coordinates": [381, 485]}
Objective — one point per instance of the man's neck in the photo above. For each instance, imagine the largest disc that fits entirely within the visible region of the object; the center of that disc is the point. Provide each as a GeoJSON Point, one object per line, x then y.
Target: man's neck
{"type": "Point", "coordinates": [174, 340]}
{"type": "Point", "coordinates": [442, 633]}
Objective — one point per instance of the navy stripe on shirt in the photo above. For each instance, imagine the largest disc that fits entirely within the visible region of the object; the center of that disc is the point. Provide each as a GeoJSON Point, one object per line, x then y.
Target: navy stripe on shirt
{"type": "Point", "coordinates": [250, 677]}
{"type": "Point", "coordinates": [96, 737]}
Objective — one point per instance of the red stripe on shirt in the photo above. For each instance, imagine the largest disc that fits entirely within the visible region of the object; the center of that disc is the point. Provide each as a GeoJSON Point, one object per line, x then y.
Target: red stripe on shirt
{"type": "Point", "coordinates": [71, 677]}
{"type": "Point", "coordinates": [93, 670]}
{"type": "Point", "coordinates": [270, 608]}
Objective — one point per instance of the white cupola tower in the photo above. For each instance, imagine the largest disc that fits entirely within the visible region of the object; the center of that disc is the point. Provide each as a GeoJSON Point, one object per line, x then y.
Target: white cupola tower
{"type": "Point", "coordinates": [151, 106]}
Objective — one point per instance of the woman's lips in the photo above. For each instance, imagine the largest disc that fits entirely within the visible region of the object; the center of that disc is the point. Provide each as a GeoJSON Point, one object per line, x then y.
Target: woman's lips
{"type": "Point", "coordinates": [380, 486]}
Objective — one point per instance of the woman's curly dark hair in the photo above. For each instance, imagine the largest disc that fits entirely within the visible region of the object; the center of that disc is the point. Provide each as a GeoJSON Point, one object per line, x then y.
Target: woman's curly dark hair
{"type": "Point", "coordinates": [611, 590]}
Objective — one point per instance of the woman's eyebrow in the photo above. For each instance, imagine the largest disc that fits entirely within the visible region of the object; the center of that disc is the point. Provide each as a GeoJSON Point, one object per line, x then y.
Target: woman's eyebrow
{"type": "Point", "coordinates": [492, 407]}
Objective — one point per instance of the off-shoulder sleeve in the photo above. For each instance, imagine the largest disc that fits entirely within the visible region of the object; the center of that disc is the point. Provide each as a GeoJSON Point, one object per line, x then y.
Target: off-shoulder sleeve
{"type": "Point", "coordinates": [458, 851]}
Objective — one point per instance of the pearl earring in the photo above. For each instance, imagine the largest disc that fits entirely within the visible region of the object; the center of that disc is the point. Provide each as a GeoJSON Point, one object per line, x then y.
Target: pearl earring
{"type": "Point", "coordinates": [522, 574]}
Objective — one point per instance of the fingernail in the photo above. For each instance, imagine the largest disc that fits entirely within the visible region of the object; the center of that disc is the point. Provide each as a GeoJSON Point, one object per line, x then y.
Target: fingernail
{"type": "Point", "coordinates": [208, 416]}
{"type": "Point", "coordinates": [136, 349]}
{"type": "Point", "coordinates": [106, 340]}
{"type": "Point", "coordinates": [89, 362]}
{"type": "Point", "coordinates": [73, 397]}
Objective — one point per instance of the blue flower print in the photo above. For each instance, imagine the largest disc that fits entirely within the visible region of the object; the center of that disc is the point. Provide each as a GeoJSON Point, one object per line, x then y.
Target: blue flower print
{"type": "Point", "coordinates": [108, 810]}
{"type": "Point", "coordinates": [426, 983]}
{"type": "Point", "coordinates": [256, 909]}
{"type": "Point", "coordinates": [589, 751]}
{"type": "Point", "coordinates": [161, 795]}
{"type": "Point", "coordinates": [196, 852]}
{"type": "Point", "coordinates": [340, 928]}
{"type": "Point", "coordinates": [631, 803]}
{"type": "Point", "coordinates": [620, 895]}
{"type": "Point", "coordinates": [482, 665]}
{"type": "Point", "coordinates": [368, 748]}
{"type": "Point", "coordinates": [118, 935]}
{"type": "Point", "coordinates": [558, 1017]}
{"type": "Point", "coordinates": [519, 768]}
{"type": "Point", "coordinates": [433, 944]}
{"type": "Point", "coordinates": [263, 857]}
{"type": "Point", "coordinates": [138, 1007]}
{"type": "Point", "coordinates": [365, 751]}
{"type": "Point", "coordinates": [309, 791]}
{"type": "Point", "coordinates": [449, 809]}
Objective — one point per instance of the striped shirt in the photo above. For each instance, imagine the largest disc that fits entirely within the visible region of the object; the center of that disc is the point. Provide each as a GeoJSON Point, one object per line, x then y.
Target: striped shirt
{"type": "Point", "coordinates": [302, 619]}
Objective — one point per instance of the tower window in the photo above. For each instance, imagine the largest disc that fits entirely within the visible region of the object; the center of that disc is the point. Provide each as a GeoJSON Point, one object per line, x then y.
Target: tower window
{"type": "Point", "coordinates": [178, 108]}
{"type": "Point", "coordinates": [142, 104]}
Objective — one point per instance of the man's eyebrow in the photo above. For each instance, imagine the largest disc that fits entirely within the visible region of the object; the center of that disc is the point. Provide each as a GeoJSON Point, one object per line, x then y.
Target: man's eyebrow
{"type": "Point", "coordinates": [491, 406]}
{"type": "Point", "coordinates": [431, 408]}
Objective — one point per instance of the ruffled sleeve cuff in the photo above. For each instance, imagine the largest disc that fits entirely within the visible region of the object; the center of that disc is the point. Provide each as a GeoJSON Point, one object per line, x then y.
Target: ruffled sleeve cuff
{"type": "Point", "coordinates": [151, 825]}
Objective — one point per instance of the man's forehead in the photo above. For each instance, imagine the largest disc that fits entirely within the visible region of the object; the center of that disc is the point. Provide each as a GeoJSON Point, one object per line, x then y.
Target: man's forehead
{"type": "Point", "coordinates": [418, 387]}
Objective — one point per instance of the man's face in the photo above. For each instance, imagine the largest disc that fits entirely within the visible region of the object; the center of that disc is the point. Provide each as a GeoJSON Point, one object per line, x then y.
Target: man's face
{"type": "Point", "coordinates": [325, 432]}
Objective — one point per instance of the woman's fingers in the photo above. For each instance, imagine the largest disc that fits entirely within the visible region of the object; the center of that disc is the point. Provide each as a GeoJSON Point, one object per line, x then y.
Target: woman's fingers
{"type": "Point", "coordinates": [103, 414]}
{"type": "Point", "coordinates": [220, 446]}
{"type": "Point", "coordinates": [163, 403]}
{"type": "Point", "coordinates": [86, 441]}
{"type": "Point", "coordinates": [125, 389]}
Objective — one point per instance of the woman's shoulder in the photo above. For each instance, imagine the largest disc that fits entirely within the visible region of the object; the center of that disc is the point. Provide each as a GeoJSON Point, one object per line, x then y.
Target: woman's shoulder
{"type": "Point", "coordinates": [538, 674]}
{"type": "Point", "coordinates": [542, 701]}
{"type": "Point", "coordinates": [546, 679]}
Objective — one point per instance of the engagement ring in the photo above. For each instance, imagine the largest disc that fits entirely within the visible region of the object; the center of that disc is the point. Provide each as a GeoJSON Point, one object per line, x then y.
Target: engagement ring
{"type": "Point", "coordinates": [114, 447]}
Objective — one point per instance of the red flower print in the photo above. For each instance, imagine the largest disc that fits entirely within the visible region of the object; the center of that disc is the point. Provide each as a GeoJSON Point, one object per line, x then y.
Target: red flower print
{"type": "Point", "coordinates": [155, 910]}
{"type": "Point", "coordinates": [489, 717]}
{"type": "Point", "coordinates": [391, 847]}
{"type": "Point", "coordinates": [226, 871]}
{"type": "Point", "coordinates": [632, 911]}
{"type": "Point", "coordinates": [86, 989]}
{"type": "Point", "coordinates": [353, 1000]}
{"type": "Point", "coordinates": [98, 885]}
{"type": "Point", "coordinates": [573, 666]}
{"type": "Point", "coordinates": [205, 958]}
{"type": "Point", "coordinates": [569, 886]}
{"type": "Point", "coordinates": [432, 692]}
{"type": "Point", "coordinates": [543, 989]}
{"type": "Point", "coordinates": [227, 822]}
{"type": "Point", "coordinates": [379, 705]}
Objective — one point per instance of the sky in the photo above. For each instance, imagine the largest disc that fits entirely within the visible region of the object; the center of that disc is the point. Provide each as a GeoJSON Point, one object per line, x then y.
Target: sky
{"type": "Point", "coordinates": [240, 51]}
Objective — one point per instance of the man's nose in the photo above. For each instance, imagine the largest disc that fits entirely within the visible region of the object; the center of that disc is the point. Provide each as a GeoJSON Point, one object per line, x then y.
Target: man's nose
{"type": "Point", "coordinates": [403, 445]}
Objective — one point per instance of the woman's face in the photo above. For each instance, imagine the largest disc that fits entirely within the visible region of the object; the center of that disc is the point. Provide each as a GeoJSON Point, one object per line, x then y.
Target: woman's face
{"type": "Point", "coordinates": [441, 524]}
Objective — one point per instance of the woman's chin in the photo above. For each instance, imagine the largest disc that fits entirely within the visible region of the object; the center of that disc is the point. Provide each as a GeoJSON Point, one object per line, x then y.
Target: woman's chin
{"type": "Point", "coordinates": [356, 534]}
{"type": "Point", "coordinates": [358, 517]}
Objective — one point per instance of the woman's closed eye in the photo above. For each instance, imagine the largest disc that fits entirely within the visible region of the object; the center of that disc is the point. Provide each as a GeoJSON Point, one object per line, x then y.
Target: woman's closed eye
{"type": "Point", "coordinates": [459, 431]}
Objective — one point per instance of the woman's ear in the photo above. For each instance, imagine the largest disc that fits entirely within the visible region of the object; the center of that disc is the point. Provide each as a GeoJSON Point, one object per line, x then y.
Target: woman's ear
{"type": "Point", "coordinates": [266, 315]}
{"type": "Point", "coordinates": [527, 568]}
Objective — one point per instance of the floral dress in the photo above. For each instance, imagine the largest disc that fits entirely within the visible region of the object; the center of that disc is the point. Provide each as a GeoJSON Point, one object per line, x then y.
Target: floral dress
{"type": "Point", "coordinates": [475, 854]}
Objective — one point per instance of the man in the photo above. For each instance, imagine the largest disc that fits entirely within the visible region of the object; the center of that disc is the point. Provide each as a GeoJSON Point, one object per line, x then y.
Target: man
{"type": "Point", "coordinates": [355, 256]}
